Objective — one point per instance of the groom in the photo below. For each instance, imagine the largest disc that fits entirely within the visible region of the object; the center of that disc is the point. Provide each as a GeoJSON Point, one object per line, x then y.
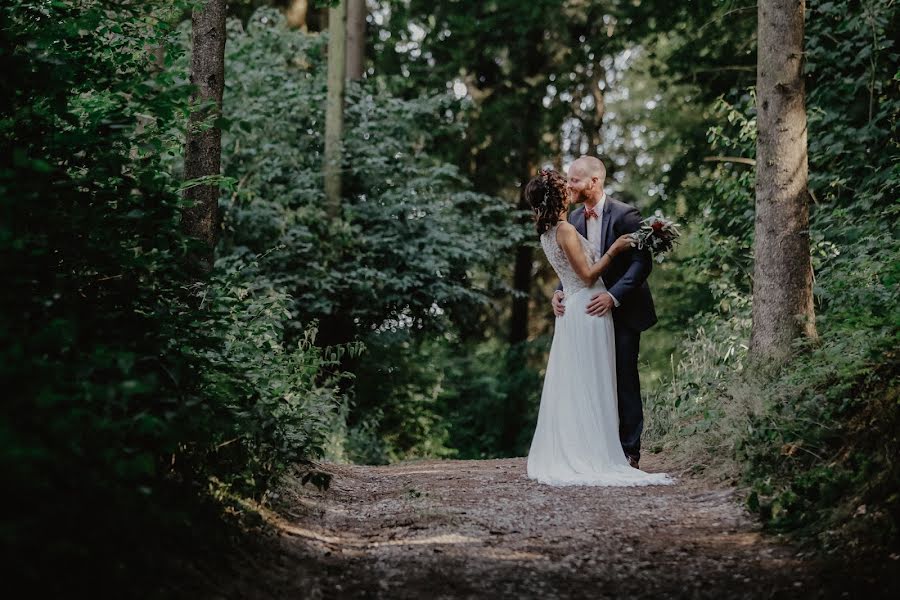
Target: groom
{"type": "Point", "coordinates": [602, 220]}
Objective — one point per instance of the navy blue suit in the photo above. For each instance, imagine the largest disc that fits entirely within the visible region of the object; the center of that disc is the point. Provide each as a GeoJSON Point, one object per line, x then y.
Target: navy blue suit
{"type": "Point", "coordinates": [626, 280]}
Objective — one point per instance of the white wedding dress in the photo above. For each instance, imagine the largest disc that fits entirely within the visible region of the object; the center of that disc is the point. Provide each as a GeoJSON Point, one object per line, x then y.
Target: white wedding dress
{"type": "Point", "coordinates": [576, 441]}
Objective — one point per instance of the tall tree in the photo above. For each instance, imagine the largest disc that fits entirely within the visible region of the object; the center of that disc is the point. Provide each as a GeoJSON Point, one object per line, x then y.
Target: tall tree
{"type": "Point", "coordinates": [356, 39]}
{"type": "Point", "coordinates": [334, 113]}
{"type": "Point", "coordinates": [782, 272]}
{"type": "Point", "coordinates": [528, 125]}
{"type": "Point", "coordinates": [203, 149]}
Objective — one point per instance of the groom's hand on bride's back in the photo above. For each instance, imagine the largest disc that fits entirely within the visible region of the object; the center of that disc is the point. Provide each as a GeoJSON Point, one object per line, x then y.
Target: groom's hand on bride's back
{"type": "Point", "coordinates": [559, 308]}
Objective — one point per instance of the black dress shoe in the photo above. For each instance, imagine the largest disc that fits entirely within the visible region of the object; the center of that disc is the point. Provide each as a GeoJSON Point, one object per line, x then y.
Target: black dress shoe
{"type": "Point", "coordinates": [633, 462]}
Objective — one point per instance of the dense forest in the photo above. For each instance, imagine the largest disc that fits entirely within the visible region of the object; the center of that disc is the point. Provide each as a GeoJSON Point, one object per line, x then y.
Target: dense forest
{"type": "Point", "coordinates": [246, 239]}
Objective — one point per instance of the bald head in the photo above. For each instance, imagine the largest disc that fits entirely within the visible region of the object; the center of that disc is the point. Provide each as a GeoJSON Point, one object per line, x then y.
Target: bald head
{"type": "Point", "coordinates": [586, 177]}
{"type": "Point", "coordinates": [589, 166]}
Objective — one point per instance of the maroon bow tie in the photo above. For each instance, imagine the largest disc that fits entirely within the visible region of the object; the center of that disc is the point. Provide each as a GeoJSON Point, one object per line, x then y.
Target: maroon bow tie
{"type": "Point", "coordinates": [590, 213]}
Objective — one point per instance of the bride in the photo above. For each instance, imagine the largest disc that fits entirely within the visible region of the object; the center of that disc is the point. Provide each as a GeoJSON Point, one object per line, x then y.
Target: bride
{"type": "Point", "coordinates": [576, 441]}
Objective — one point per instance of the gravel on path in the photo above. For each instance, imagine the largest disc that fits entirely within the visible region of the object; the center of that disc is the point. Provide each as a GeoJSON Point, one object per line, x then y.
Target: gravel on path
{"type": "Point", "coordinates": [482, 529]}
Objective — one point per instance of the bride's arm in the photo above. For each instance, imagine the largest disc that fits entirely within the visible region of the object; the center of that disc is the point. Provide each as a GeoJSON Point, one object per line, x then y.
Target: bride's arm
{"type": "Point", "coordinates": [567, 237]}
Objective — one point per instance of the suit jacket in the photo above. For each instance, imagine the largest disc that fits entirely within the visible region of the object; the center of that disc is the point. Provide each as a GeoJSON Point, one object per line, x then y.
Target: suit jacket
{"type": "Point", "coordinates": [626, 277]}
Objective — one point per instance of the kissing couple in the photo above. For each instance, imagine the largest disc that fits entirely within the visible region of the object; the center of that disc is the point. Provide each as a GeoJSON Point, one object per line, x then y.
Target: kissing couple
{"type": "Point", "coordinates": [590, 419]}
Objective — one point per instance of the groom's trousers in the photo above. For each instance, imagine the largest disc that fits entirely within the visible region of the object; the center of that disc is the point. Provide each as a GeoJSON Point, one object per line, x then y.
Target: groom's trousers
{"type": "Point", "coordinates": [631, 410]}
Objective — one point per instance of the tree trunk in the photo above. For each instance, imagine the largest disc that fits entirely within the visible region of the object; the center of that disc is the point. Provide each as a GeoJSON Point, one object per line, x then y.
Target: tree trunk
{"type": "Point", "coordinates": [596, 138]}
{"type": "Point", "coordinates": [334, 115]}
{"type": "Point", "coordinates": [296, 14]}
{"type": "Point", "coordinates": [782, 272]}
{"type": "Point", "coordinates": [524, 265]}
{"type": "Point", "coordinates": [356, 39]}
{"type": "Point", "coordinates": [317, 19]}
{"type": "Point", "coordinates": [203, 149]}
{"type": "Point", "coordinates": [523, 277]}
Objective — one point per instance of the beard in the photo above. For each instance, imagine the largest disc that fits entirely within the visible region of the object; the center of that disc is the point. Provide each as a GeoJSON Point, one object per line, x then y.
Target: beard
{"type": "Point", "coordinates": [579, 197]}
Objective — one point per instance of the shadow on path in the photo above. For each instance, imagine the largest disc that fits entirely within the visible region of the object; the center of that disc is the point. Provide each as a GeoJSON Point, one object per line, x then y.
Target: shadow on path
{"type": "Point", "coordinates": [481, 529]}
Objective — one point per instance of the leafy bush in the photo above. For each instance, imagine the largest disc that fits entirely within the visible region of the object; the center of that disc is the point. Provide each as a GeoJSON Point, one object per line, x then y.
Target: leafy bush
{"type": "Point", "coordinates": [408, 259]}
{"type": "Point", "coordinates": [816, 443]}
{"type": "Point", "coordinates": [134, 394]}
{"type": "Point", "coordinates": [278, 399]}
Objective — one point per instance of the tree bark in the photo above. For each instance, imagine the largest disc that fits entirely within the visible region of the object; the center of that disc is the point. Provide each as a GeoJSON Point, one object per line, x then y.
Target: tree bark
{"type": "Point", "coordinates": [203, 149]}
{"type": "Point", "coordinates": [523, 279]}
{"type": "Point", "coordinates": [517, 355]}
{"type": "Point", "coordinates": [334, 111]}
{"type": "Point", "coordinates": [782, 272]}
{"type": "Point", "coordinates": [356, 39]}
{"type": "Point", "coordinates": [596, 138]}
{"type": "Point", "coordinates": [296, 14]}
{"type": "Point", "coordinates": [317, 19]}
{"type": "Point", "coordinates": [523, 270]}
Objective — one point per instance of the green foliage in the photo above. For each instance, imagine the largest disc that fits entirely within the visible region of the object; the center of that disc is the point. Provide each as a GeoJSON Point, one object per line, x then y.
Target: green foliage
{"type": "Point", "coordinates": [278, 399]}
{"type": "Point", "coordinates": [815, 443]}
{"type": "Point", "coordinates": [443, 396]}
{"type": "Point", "coordinates": [412, 233]}
{"type": "Point", "coordinates": [90, 247]}
{"type": "Point", "coordinates": [820, 455]}
{"type": "Point", "coordinates": [475, 396]}
{"type": "Point", "coordinates": [135, 395]}
{"type": "Point", "coordinates": [398, 393]}
{"type": "Point", "coordinates": [138, 396]}
{"type": "Point", "coordinates": [407, 259]}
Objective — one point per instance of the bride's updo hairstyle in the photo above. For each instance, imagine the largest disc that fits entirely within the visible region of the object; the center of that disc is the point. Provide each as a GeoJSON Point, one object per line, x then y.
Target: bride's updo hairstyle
{"type": "Point", "coordinates": [546, 194]}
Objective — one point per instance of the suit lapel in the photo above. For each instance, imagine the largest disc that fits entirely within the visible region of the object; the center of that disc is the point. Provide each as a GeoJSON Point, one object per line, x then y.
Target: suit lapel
{"type": "Point", "coordinates": [605, 230]}
{"type": "Point", "coordinates": [577, 219]}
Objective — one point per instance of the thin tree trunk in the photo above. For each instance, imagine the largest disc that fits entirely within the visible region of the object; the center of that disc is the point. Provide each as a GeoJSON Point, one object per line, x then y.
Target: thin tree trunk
{"type": "Point", "coordinates": [296, 14]}
{"type": "Point", "coordinates": [356, 39]}
{"type": "Point", "coordinates": [203, 150]}
{"type": "Point", "coordinates": [523, 269]}
{"type": "Point", "coordinates": [517, 352]}
{"type": "Point", "coordinates": [518, 328]}
{"type": "Point", "coordinates": [782, 272]}
{"type": "Point", "coordinates": [317, 19]}
{"type": "Point", "coordinates": [334, 115]}
{"type": "Point", "coordinates": [596, 138]}
{"type": "Point", "coordinates": [523, 278]}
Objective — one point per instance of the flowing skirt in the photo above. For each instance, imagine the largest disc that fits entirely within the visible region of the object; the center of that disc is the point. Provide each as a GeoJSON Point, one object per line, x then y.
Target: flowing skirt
{"type": "Point", "coordinates": [576, 441]}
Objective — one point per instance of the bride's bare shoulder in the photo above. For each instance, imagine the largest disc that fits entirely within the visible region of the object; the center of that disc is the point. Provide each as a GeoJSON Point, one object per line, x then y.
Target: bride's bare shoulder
{"type": "Point", "coordinates": [566, 228]}
{"type": "Point", "coordinates": [565, 232]}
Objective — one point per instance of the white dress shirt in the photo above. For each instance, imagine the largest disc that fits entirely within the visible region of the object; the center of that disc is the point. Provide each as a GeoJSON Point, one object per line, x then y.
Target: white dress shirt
{"type": "Point", "coordinates": [594, 228]}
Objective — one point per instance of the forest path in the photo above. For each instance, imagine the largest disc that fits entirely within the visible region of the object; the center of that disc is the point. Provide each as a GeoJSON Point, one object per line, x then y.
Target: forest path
{"type": "Point", "coordinates": [481, 529]}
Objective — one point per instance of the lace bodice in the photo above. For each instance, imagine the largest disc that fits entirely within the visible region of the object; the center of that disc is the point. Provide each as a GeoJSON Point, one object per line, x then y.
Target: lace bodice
{"type": "Point", "coordinates": [560, 263]}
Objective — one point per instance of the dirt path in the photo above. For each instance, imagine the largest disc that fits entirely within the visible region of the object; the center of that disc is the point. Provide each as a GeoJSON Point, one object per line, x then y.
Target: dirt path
{"type": "Point", "coordinates": [481, 529]}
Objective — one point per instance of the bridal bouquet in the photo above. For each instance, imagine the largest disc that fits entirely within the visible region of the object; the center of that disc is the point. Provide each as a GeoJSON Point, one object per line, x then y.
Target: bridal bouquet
{"type": "Point", "coordinates": [658, 235]}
